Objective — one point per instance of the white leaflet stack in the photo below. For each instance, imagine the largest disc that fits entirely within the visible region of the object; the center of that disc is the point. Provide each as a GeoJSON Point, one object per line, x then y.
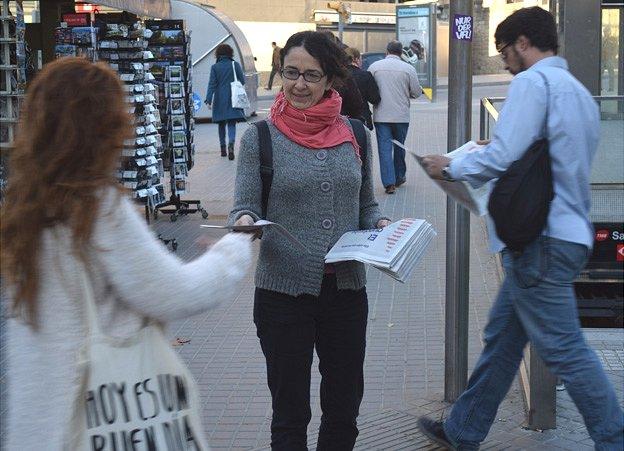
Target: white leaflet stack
{"type": "Point", "coordinates": [395, 249]}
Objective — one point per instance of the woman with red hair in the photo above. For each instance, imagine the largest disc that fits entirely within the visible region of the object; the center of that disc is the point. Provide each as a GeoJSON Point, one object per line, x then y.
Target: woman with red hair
{"type": "Point", "coordinates": [64, 217]}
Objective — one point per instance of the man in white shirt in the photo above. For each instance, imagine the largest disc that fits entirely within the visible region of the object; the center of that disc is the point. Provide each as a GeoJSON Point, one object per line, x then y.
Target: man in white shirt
{"type": "Point", "coordinates": [398, 83]}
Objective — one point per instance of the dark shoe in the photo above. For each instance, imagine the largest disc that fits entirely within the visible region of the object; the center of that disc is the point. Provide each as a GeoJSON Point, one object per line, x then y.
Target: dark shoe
{"type": "Point", "coordinates": [434, 431]}
{"type": "Point", "coordinates": [231, 151]}
{"type": "Point", "coordinates": [223, 152]}
{"type": "Point", "coordinates": [390, 189]}
{"type": "Point", "coordinates": [400, 182]}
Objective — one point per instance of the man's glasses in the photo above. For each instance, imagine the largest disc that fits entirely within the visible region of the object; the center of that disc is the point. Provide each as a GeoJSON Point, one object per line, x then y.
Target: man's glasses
{"type": "Point", "coordinates": [311, 76]}
{"type": "Point", "coordinates": [502, 52]}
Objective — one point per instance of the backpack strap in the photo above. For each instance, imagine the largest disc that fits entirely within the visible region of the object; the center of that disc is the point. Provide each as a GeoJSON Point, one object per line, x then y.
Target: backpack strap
{"type": "Point", "coordinates": [360, 137]}
{"type": "Point", "coordinates": [266, 162]}
{"type": "Point", "coordinates": [266, 155]}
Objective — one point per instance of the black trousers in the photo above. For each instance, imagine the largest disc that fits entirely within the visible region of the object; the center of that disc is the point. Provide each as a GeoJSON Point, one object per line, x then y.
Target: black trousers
{"type": "Point", "coordinates": [289, 329]}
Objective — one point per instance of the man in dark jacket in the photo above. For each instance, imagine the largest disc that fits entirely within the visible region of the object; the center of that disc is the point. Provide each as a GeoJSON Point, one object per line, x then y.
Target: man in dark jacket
{"type": "Point", "coordinates": [275, 64]}
{"type": "Point", "coordinates": [366, 84]}
{"type": "Point", "coordinates": [352, 103]}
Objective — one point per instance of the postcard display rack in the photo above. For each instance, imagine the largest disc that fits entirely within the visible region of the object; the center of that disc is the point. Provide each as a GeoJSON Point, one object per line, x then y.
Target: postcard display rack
{"type": "Point", "coordinates": [124, 47]}
{"type": "Point", "coordinates": [12, 78]}
{"type": "Point", "coordinates": [172, 69]}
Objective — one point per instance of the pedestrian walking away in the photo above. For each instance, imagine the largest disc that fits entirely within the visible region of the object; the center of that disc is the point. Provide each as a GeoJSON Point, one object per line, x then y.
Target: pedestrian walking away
{"type": "Point", "coordinates": [219, 97]}
{"type": "Point", "coordinates": [366, 84]}
{"type": "Point", "coordinates": [398, 83]}
{"type": "Point", "coordinates": [536, 301]}
{"type": "Point", "coordinates": [321, 187]}
{"type": "Point", "coordinates": [76, 253]}
{"type": "Point", "coordinates": [275, 64]}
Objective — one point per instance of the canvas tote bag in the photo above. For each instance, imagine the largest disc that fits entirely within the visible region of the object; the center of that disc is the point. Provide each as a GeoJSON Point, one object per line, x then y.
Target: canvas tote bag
{"type": "Point", "coordinates": [136, 393]}
{"type": "Point", "coordinates": [239, 95]}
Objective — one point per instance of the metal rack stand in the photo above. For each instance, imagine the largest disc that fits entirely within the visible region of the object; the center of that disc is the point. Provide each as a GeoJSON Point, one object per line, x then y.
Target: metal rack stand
{"type": "Point", "coordinates": [12, 79]}
{"type": "Point", "coordinates": [11, 91]}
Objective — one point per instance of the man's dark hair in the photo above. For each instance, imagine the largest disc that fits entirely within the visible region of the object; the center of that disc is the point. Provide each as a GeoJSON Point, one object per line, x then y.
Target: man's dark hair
{"type": "Point", "coordinates": [329, 55]}
{"type": "Point", "coordinates": [224, 50]}
{"type": "Point", "coordinates": [535, 23]}
{"type": "Point", "coordinates": [273, 43]}
{"type": "Point", "coordinates": [395, 48]}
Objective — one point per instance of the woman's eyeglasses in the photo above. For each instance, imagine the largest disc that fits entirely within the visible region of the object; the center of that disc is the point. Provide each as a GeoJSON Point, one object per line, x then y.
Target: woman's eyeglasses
{"type": "Point", "coordinates": [311, 76]}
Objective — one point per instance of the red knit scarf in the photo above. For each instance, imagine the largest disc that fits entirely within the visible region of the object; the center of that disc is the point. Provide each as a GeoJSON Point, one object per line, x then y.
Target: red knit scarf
{"type": "Point", "coordinates": [317, 127]}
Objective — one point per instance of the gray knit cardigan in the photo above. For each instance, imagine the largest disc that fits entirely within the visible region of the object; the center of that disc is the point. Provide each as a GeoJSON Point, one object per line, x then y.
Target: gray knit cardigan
{"type": "Point", "coordinates": [317, 194]}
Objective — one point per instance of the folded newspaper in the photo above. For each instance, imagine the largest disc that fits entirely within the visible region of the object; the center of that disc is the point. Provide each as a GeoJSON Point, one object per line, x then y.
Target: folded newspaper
{"type": "Point", "coordinates": [395, 249]}
{"type": "Point", "coordinates": [474, 199]}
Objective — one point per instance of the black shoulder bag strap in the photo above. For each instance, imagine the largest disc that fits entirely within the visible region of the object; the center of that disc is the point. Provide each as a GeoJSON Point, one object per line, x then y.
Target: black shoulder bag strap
{"type": "Point", "coordinates": [266, 156]}
{"type": "Point", "coordinates": [266, 162]}
{"type": "Point", "coordinates": [545, 132]}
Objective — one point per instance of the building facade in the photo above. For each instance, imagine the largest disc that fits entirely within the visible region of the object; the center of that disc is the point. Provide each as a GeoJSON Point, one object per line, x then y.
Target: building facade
{"type": "Point", "coordinates": [373, 25]}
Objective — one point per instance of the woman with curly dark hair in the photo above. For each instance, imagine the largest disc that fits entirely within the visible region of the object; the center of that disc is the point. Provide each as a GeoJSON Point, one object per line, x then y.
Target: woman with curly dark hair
{"type": "Point", "coordinates": [318, 192]}
{"type": "Point", "coordinates": [65, 221]}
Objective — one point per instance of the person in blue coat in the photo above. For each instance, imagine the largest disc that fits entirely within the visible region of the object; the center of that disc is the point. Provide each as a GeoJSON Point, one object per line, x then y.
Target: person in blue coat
{"type": "Point", "coordinates": [219, 97]}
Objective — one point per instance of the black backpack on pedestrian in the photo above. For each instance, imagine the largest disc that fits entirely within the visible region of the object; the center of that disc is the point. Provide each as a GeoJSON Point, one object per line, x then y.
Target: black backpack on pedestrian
{"type": "Point", "coordinates": [520, 201]}
{"type": "Point", "coordinates": [266, 155]}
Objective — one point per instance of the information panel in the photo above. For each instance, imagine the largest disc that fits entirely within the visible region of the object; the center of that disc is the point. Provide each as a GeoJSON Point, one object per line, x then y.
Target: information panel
{"type": "Point", "coordinates": [416, 29]}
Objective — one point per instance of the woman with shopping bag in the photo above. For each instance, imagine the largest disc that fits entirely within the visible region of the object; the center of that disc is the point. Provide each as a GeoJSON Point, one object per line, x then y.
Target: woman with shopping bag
{"type": "Point", "coordinates": [88, 285]}
{"type": "Point", "coordinates": [224, 96]}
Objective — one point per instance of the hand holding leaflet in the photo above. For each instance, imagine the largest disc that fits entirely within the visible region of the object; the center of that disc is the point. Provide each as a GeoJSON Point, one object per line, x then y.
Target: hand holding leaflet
{"type": "Point", "coordinates": [473, 199]}
{"type": "Point", "coordinates": [259, 225]}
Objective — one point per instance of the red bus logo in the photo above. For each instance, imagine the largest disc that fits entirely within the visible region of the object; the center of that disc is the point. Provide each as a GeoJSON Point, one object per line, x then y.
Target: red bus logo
{"type": "Point", "coordinates": [602, 235]}
{"type": "Point", "coordinates": [620, 253]}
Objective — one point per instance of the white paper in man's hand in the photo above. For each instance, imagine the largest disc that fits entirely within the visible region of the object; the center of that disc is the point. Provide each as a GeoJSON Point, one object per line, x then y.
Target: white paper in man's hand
{"type": "Point", "coordinates": [474, 199]}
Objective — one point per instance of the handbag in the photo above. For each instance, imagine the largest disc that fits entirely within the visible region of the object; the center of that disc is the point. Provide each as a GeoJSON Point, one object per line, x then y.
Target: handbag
{"type": "Point", "coordinates": [239, 95]}
{"type": "Point", "coordinates": [133, 391]}
{"type": "Point", "coordinates": [520, 201]}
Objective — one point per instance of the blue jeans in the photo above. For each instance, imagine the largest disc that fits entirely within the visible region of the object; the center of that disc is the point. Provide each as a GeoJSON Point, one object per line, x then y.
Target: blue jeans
{"type": "Point", "coordinates": [536, 303]}
{"type": "Point", "coordinates": [231, 130]}
{"type": "Point", "coordinates": [392, 165]}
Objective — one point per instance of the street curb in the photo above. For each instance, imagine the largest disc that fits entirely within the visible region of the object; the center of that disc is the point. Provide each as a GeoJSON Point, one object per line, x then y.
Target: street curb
{"type": "Point", "coordinates": [441, 87]}
{"type": "Point", "coordinates": [491, 83]}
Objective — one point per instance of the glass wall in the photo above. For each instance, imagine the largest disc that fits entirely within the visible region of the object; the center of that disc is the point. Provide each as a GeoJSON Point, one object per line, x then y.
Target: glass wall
{"type": "Point", "coordinates": [611, 51]}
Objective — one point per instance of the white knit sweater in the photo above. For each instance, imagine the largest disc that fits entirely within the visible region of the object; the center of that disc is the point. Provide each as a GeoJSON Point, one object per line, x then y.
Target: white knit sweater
{"type": "Point", "coordinates": [133, 276]}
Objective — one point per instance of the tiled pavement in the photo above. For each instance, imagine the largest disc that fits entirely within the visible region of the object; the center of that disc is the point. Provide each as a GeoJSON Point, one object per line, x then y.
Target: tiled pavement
{"type": "Point", "coordinates": [404, 363]}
